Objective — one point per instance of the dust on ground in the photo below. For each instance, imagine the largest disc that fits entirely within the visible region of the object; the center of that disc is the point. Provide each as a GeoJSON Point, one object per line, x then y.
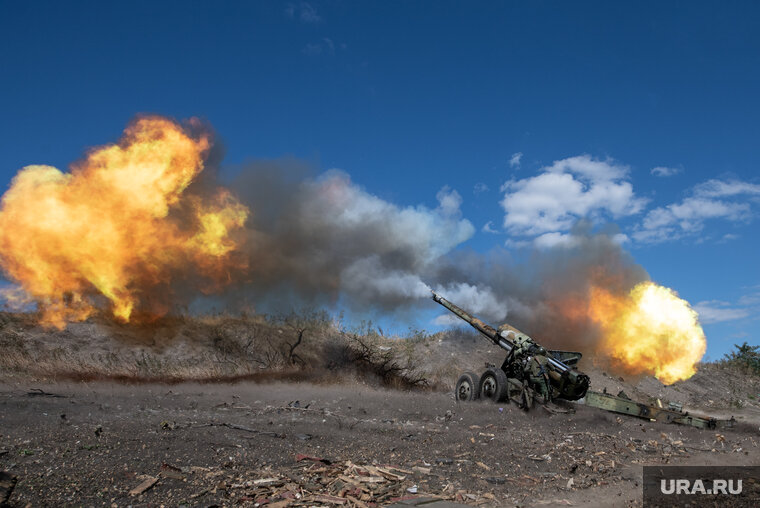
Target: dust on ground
{"type": "Point", "coordinates": [342, 430]}
{"type": "Point", "coordinates": [91, 444]}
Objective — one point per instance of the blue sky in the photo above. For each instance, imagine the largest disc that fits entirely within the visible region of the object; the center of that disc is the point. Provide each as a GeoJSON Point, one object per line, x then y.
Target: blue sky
{"type": "Point", "coordinates": [580, 102]}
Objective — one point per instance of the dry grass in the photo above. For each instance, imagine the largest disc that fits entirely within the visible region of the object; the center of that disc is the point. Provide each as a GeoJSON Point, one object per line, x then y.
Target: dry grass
{"type": "Point", "coordinates": [299, 347]}
{"type": "Point", "coordinates": [305, 347]}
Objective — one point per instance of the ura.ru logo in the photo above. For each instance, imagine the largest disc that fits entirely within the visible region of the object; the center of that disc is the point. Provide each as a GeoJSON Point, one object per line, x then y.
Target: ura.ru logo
{"type": "Point", "coordinates": [723, 487]}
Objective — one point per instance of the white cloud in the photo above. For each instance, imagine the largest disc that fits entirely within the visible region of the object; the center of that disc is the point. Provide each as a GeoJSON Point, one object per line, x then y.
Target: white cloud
{"type": "Point", "coordinates": [716, 311]}
{"type": "Point", "coordinates": [480, 188]}
{"type": "Point", "coordinates": [592, 169]}
{"type": "Point", "coordinates": [304, 12]}
{"type": "Point", "coordinates": [728, 237]}
{"type": "Point", "coordinates": [488, 228]}
{"type": "Point", "coordinates": [719, 311]}
{"type": "Point", "coordinates": [514, 161]}
{"type": "Point", "coordinates": [541, 209]}
{"type": "Point", "coordinates": [721, 188]}
{"type": "Point", "coordinates": [665, 171]}
{"type": "Point", "coordinates": [752, 299]}
{"type": "Point", "coordinates": [553, 240]}
{"type": "Point", "coordinates": [568, 190]}
{"type": "Point", "coordinates": [449, 200]}
{"type": "Point", "coordinates": [688, 217]}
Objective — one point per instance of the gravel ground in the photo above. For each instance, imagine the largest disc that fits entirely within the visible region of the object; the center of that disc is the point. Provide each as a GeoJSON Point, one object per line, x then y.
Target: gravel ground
{"type": "Point", "coordinates": [77, 444]}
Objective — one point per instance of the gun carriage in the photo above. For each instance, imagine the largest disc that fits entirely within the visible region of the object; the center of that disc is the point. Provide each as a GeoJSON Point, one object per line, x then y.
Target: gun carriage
{"type": "Point", "coordinates": [529, 372]}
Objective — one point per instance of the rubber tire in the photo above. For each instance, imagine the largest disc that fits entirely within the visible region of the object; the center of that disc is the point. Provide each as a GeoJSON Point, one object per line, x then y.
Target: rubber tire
{"type": "Point", "coordinates": [494, 385]}
{"type": "Point", "coordinates": [468, 387]}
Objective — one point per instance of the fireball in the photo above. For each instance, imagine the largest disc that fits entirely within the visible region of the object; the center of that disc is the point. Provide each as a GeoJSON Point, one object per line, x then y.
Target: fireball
{"type": "Point", "coordinates": [119, 227]}
{"type": "Point", "coordinates": [650, 330]}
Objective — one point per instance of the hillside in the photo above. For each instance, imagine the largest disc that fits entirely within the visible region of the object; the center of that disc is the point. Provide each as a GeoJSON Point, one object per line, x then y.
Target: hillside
{"type": "Point", "coordinates": [260, 348]}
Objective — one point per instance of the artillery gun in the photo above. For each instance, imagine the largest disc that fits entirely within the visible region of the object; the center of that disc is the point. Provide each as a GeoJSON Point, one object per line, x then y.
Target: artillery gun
{"type": "Point", "coordinates": [529, 371]}
{"type": "Point", "coordinates": [523, 379]}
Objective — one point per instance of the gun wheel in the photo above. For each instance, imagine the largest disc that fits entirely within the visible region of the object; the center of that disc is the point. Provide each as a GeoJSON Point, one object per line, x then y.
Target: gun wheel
{"type": "Point", "coordinates": [494, 385]}
{"type": "Point", "coordinates": [467, 387]}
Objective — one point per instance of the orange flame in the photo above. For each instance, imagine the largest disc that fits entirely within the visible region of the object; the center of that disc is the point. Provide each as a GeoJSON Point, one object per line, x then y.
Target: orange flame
{"type": "Point", "coordinates": [120, 224]}
{"type": "Point", "coordinates": [649, 331]}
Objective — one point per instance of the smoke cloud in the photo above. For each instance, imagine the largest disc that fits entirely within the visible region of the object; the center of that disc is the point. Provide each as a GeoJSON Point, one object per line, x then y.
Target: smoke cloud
{"type": "Point", "coordinates": [139, 228]}
{"type": "Point", "coordinates": [325, 240]}
{"type": "Point", "coordinates": [282, 237]}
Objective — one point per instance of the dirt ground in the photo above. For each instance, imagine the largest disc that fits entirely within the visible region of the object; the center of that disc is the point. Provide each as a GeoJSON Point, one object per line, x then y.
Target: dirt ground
{"type": "Point", "coordinates": [100, 444]}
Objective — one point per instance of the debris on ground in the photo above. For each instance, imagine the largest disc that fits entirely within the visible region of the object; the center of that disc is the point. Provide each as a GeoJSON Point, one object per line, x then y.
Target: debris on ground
{"type": "Point", "coordinates": [241, 445]}
{"type": "Point", "coordinates": [316, 480]}
{"type": "Point", "coordinates": [147, 482]}
{"type": "Point", "coordinates": [7, 483]}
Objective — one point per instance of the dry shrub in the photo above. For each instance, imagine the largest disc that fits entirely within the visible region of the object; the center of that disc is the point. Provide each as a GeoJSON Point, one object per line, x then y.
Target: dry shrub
{"type": "Point", "coordinates": [303, 346]}
{"type": "Point", "coordinates": [370, 355]}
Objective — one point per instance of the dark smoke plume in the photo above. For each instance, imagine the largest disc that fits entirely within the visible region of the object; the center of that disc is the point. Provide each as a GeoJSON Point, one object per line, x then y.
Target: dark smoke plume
{"type": "Point", "coordinates": [324, 240]}
{"type": "Point", "coordinates": [318, 239]}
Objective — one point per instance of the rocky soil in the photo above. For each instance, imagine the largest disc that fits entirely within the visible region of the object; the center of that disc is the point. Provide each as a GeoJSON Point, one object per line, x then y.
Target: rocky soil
{"type": "Point", "coordinates": [228, 411]}
{"type": "Point", "coordinates": [299, 444]}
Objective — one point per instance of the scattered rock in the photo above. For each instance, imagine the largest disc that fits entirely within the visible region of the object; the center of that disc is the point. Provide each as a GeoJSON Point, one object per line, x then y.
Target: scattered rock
{"type": "Point", "coordinates": [36, 392]}
{"type": "Point", "coordinates": [301, 457]}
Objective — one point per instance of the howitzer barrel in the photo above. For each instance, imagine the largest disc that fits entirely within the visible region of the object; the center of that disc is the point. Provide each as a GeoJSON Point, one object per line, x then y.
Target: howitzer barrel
{"type": "Point", "coordinates": [487, 330]}
{"type": "Point", "coordinates": [490, 331]}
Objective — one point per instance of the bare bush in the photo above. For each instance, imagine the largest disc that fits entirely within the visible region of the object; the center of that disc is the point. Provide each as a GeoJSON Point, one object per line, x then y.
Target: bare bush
{"type": "Point", "coordinates": [384, 362]}
{"type": "Point", "coordinates": [305, 345]}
